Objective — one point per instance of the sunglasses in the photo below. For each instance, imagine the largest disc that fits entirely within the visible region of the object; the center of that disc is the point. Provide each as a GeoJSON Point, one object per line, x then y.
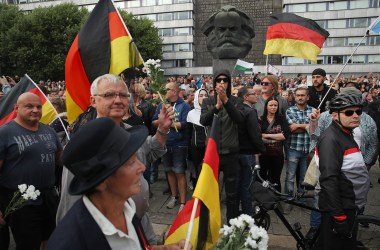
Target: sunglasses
{"type": "Point", "coordinates": [351, 112]}
{"type": "Point", "coordinates": [265, 83]}
{"type": "Point", "coordinates": [218, 80]}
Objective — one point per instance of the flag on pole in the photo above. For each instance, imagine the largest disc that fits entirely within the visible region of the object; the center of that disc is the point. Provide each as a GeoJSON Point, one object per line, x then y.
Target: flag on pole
{"type": "Point", "coordinates": [103, 45]}
{"type": "Point", "coordinates": [7, 102]}
{"type": "Point", "coordinates": [374, 28]}
{"type": "Point", "coordinates": [292, 35]}
{"type": "Point", "coordinates": [243, 65]}
{"type": "Point", "coordinates": [207, 223]}
{"type": "Point", "coordinates": [273, 70]}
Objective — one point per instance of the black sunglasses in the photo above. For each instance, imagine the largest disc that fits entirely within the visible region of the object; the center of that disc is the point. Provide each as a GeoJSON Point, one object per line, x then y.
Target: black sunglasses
{"type": "Point", "coordinates": [265, 83]}
{"type": "Point", "coordinates": [351, 112]}
{"type": "Point", "coordinates": [218, 80]}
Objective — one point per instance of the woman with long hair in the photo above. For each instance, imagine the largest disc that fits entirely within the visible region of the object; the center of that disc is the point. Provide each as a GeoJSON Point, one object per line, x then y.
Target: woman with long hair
{"type": "Point", "coordinates": [274, 130]}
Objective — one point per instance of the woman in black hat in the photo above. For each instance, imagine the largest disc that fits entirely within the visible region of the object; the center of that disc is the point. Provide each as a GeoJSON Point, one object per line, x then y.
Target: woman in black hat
{"type": "Point", "coordinates": [107, 172]}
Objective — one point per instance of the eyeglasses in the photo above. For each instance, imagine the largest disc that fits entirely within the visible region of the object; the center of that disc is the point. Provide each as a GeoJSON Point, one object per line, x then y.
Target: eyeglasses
{"type": "Point", "coordinates": [351, 112]}
{"type": "Point", "coordinates": [251, 94]}
{"type": "Point", "coordinates": [113, 95]}
{"type": "Point", "coordinates": [265, 83]}
{"type": "Point", "coordinates": [225, 80]}
{"type": "Point", "coordinates": [169, 89]}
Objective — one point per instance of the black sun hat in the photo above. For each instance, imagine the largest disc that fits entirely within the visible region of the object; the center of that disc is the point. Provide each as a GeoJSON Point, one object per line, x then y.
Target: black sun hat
{"type": "Point", "coordinates": [97, 150]}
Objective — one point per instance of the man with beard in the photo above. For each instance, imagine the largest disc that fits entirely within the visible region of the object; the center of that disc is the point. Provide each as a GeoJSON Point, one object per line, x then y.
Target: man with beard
{"type": "Point", "coordinates": [319, 90]}
{"type": "Point", "coordinates": [229, 33]}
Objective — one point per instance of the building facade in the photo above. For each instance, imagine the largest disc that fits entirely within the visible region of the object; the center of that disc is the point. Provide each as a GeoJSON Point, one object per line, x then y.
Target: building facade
{"type": "Point", "coordinates": [184, 46]}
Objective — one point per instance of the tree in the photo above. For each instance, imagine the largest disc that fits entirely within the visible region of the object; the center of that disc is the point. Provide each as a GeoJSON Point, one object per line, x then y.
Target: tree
{"type": "Point", "coordinates": [9, 14]}
{"type": "Point", "coordinates": [38, 43]}
{"type": "Point", "coordinates": [145, 35]}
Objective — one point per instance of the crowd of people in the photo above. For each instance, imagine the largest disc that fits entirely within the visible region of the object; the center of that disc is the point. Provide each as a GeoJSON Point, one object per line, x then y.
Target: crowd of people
{"type": "Point", "coordinates": [104, 180]}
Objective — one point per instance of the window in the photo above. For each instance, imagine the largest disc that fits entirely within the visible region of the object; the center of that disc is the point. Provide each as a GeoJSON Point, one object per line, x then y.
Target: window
{"type": "Point", "coordinates": [297, 8]}
{"type": "Point", "coordinates": [152, 17]}
{"type": "Point", "coordinates": [295, 61]}
{"type": "Point", "coordinates": [374, 40]}
{"type": "Point", "coordinates": [340, 5]}
{"type": "Point", "coordinates": [316, 6]}
{"type": "Point", "coordinates": [319, 59]}
{"type": "Point", "coordinates": [357, 59]}
{"type": "Point", "coordinates": [322, 23]}
{"type": "Point", "coordinates": [165, 17]}
{"type": "Point", "coordinates": [335, 42]}
{"type": "Point", "coordinates": [359, 4]}
{"type": "Point", "coordinates": [134, 3]}
{"type": "Point", "coordinates": [161, 2]}
{"type": "Point", "coordinates": [182, 47]}
{"type": "Point", "coordinates": [335, 60]}
{"type": "Point", "coordinates": [167, 63]}
{"type": "Point", "coordinates": [165, 32]}
{"type": "Point", "coordinates": [182, 31]}
{"type": "Point", "coordinates": [182, 63]}
{"type": "Point", "coordinates": [336, 24]}
{"type": "Point", "coordinates": [182, 1]}
{"type": "Point", "coordinates": [148, 2]}
{"type": "Point", "coordinates": [182, 15]}
{"type": "Point", "coordinates": [375, 3]}
{"type": "Point", "coordinates": [358, 23]}
{"type": "Point", "coordinates": [373, 58]}
{"type": "Point", "coordinates": [167, 48]}
{"type": "Point", "coordinates": [354, 41]}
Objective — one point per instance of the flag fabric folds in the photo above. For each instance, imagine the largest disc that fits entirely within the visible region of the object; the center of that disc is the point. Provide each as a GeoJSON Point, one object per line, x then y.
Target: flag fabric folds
{"type": "Point", "coordinates": [207, 223]}
{"type": "Point", "coordinates": [103, 45]}
{"type": "Point", "coordinates": [374, 28]}
{"type": "Point", "coordinates": [292, 35]}
{"type": "Point", "coordinates": [243, 65]}
{"type": "Point", "coordinates": [273, 70]}
{"type": "Point", "coordinates": [7, 102]}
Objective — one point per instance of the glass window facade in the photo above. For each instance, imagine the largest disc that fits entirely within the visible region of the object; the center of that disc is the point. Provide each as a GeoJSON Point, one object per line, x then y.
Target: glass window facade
{"type": "Point", "coordinates": [316, 7]}
{"type": "Point", "coordinates": [336, 24]}
{"type": "Point", "coordinates": [339, 5]}
{"type": "Point", "coordinates": [373, 58]}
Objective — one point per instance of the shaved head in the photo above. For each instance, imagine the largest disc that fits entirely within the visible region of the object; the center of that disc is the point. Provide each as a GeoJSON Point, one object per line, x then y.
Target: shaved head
{"type": "Point", "coordinates": [172, 91]}
{"type": "Point", "coordinates": [26, 97]}
{"type": "Point", "coordinates": [29, 110]}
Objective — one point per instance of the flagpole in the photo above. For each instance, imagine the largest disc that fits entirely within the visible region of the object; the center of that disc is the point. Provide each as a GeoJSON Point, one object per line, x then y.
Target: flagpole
{"type": "Point", "coordinates": [129, 33]}
{"type": "Point", "coordinates": [47, 99]}
{"type": "Point", "coordinates": [191, 224]}
{"type": "Point", "coordinates": [266, 65]}
{"type": "Point", "coordinates": [340, 72]}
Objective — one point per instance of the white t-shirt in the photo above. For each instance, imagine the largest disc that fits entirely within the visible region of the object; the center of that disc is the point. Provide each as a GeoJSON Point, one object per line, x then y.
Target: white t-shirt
{"type": "Point", "coordinates": [117, 239]}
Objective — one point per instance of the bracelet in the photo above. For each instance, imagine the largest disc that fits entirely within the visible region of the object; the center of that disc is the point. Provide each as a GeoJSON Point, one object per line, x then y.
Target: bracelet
{"type": "Point", "coordinates": [163, 133]}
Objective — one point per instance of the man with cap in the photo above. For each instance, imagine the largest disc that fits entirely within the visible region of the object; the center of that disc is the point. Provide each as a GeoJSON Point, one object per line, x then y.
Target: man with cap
{"type": "Point", "coordinates": [365, 136]}
{"type": "Point", "coordinates": [109, 96]}
{"type": "Point", "coordinates": [319, 89]}
{"type": "Point", "coordinates": [107, 173]}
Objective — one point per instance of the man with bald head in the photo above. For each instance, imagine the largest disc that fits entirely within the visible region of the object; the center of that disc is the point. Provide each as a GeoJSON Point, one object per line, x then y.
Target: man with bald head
{"type": "Point", "coordinates": [29, 154]}
{"type": "Point", "coordinates": [174, 160]}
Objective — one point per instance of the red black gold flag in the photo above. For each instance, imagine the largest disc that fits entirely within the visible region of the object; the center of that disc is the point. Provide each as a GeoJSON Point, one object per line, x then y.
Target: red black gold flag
{"type": "Point", "coordinates": [8, 101]}
{"type": "Point", "coordinates": [292, 35]}
{"type": "Point", "coordinates": [103, 45]}
{"type": "Point", "coordinates": [207, 223]}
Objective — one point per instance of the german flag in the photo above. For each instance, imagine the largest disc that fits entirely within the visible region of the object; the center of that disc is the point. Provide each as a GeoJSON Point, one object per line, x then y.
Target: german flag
{"type": "Point", "coordinates": [292, 35]}
{"type": "Point", "coordinates": [7, 112]}
{"type": "Point", "coordinates": [102, 46]}
{"type": "Point", "coordinates": [207, 222]}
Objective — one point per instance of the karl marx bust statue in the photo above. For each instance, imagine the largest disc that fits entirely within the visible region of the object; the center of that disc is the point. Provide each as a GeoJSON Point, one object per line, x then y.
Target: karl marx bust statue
{"type": "Point", "coordinates": [229, 33]}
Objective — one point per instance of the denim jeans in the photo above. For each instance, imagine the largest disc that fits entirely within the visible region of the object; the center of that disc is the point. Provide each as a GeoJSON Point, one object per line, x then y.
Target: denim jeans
{"type": "Point", "coordinates": [296, 159]}
{"type": "Point", "coordinates": [247, 163]}
{"type": "Point", "coordinates": [315, 217]}
{"type": "Point", "coordinates": [175, 159]}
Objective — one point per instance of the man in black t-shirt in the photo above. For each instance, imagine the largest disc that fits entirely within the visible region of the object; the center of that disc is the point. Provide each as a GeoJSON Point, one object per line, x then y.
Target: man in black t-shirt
{"type": "Point", "coordinates": [319, 89]}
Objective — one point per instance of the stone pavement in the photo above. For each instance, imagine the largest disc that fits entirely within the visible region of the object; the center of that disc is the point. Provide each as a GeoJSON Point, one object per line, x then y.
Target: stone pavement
{"type": "Point", "coordinates": [279, 237]}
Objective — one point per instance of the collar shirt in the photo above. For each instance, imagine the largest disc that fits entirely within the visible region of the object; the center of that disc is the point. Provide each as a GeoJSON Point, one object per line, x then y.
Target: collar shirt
{"type": "Point", "coordinates": [117, 239]}
{"type": "Point", "coordinates": [299, 141]}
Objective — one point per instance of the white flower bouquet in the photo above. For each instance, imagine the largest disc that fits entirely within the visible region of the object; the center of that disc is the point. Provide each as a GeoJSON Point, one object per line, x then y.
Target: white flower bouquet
{"type": "Point", "coordinates": [19, 198]}
{"type": "Point", "coordinates": [242, 234]}
{"type": "Point", "coordinates": [158, 84]}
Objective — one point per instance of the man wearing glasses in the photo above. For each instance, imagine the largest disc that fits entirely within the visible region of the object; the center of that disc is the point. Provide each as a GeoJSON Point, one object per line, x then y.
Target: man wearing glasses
{"type": "Point", "coordinates": [344, 181]}
{"type": "Point", "coordinates": [230, 112]}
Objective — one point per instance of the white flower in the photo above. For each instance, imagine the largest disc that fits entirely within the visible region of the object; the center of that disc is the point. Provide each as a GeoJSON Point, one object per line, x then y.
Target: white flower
{"type": "Point", "coordinates": [25, 196]}
{"type": "Point", "coordinates": [22, 188]}
{"type": "Point", "coordinates": [31, 188]}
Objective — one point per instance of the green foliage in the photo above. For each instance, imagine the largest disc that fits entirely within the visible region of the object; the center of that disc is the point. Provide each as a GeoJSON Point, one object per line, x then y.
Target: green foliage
{"type": "Point", "coordinates": [37, 43]}
{"type": "Point", "coordinates": [145, 35]}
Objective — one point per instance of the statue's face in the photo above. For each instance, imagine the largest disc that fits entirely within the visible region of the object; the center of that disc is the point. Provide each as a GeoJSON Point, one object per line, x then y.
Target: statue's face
{"type": "Point", "coordinates": [228, 39]}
